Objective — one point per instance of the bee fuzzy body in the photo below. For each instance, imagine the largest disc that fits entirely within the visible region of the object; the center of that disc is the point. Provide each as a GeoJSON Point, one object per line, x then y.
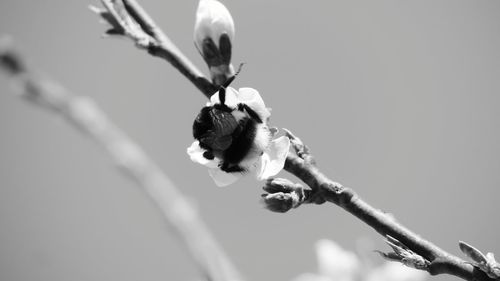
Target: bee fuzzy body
{"type": "Point", "coordinates": [249, 144]}
{"type": "Point", "coordinates": [236, 136]}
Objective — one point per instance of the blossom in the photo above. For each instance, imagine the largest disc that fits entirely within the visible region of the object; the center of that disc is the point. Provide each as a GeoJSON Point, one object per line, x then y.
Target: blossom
{"type": "Point", "coordinates": [266, 156]}
{"type": "Point", "coordinates": [393, 271]}
{"type": "Point", "coordinates": [337, 264]}
{"type": "Point", "coordinates": [213, 37]}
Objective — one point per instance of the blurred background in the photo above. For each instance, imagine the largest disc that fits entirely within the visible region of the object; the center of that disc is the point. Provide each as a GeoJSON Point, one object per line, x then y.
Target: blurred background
{"type": "Point", "coordinates": [397, 99]}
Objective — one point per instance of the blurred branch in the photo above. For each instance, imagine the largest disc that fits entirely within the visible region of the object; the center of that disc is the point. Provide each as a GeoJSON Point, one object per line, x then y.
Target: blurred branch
{"type": "Point", "coordinates": [283, 196]}
{"type": "Point", "coordinates": [84, 114]}
{"type": "Point", "coordinates": [128, 19]}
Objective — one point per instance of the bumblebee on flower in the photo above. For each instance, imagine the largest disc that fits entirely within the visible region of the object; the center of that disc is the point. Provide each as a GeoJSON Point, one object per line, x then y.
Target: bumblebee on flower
{"type": "Point", "coordinates": [233, 137]}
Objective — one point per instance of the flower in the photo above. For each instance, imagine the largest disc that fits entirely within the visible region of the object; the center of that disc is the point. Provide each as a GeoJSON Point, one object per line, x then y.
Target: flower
{"type": "Point", "coordinates": [337, 264]}
{"type": "Point", "coordinates": [393, 271]}
{"type": "Point", "coordinates": [213, 37]}
{"type": "Point", "coordinates": [266, 156]}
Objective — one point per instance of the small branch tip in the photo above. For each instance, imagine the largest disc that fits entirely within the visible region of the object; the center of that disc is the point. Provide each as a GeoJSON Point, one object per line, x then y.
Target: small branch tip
{"type": "Point", "coordinates": [404, 255]}
{"type": "Point", "coordinates": [300, 148]}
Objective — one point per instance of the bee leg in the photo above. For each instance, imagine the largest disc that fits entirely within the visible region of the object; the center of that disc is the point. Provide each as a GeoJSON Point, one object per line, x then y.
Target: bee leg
{"type": "Point", "coordinates": [222, 89]}
{"type": "Point", "coordinates": [208, 155]}
{"type": "Point", "coordinates": [231, 79]}
{"type": "Point", "coordinates": [222, 95]}
{"type": "Point", "coordinates": [251, 112]}
{"type": "Point", "coordinates": [231, 169]}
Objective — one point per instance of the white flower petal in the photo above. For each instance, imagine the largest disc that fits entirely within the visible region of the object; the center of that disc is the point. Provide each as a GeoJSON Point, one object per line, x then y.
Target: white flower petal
{"type": "Point", "coordinates": [273, 159]}
{"type": "Point", "coordinates": [195, 152]}
{"type": "Point", "coordinates": [392, 271]}
{"type": "Point", "coordinates": [252, 98]}
{"type": "Point", "coordinates": [212, 20]}
{"type": "Point", "coordinates": [335, 262]}
{"type": "Point", "coordinates": [260, 166]}
{"type": "Point", "coordinates": [232, 98]}
{"type": "Point", "coordinates": [222, 178]}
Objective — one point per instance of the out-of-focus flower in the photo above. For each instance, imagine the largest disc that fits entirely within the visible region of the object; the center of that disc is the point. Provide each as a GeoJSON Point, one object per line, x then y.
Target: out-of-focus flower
{"type": "Point", "coordinates": [213, 37]}
{"type": "Point", "coordinates": [394, 271]}
{"type": "Point", "coordinates": [336, 264]}
{"type": "Point", "coordinates": [221, 134]}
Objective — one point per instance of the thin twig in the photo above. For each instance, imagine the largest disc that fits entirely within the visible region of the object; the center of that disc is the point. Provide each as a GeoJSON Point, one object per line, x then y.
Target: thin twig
{"type": "Point", "coordinates": [137, 25]}
{"type": "Point", "coordinates": [83, 113]}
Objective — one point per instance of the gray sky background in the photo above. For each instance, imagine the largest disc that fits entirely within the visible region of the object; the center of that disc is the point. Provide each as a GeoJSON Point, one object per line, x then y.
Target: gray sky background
{"type": "Point", "coordinates": [397, 99]}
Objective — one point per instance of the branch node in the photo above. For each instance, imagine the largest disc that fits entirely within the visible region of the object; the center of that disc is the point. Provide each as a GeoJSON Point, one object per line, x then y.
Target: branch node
{"type": "Point", "coordinates": [300, 148]}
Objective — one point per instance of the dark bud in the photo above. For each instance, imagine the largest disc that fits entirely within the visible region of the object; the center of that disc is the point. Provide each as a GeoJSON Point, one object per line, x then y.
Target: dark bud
{"type": "Point", "coordinates": [278, 202]}
{"type": "Point", "coordinates": [282, 195]}
{"type": "Point", "coordinates": [225, 48]}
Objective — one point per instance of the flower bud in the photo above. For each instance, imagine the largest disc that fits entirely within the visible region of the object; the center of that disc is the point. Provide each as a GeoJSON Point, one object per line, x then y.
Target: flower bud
{"type": "Point", "coordinates": [280, 202]}
{"type": "Point", "coordinates": [213, 37]}
{"type": "Point", "coordinates": [275, 185]}
{"type": "Point", "coordinates": [282, 195]}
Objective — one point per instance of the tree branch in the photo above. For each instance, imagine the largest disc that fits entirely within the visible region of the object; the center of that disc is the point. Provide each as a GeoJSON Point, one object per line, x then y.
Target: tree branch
{"type": "Point", "coordinates": [128, 19]}
{"type": "Point", "coordinates": [84, 114]}
{"type": "Point", "coordinates": [323, 189]}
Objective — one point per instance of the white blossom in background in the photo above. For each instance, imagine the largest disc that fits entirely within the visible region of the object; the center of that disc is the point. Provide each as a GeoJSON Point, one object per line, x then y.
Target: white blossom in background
{"type": "Point", "coordinates": [214, 37]}
{"type": "Point", "coordinates": [395, 271]}
{"type": "Point", "coordinates": [337, 264]}
{"type": "Point", "coordinates": [267, 155]}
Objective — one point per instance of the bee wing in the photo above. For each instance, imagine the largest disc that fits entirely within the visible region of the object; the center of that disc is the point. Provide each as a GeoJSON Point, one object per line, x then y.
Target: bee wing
{"type": "Point", "coordinates": [222, 143]}
{"type": "Point", "coordinates": [217, 143]}
{"type": "Point", "coordinates": [224, 123]}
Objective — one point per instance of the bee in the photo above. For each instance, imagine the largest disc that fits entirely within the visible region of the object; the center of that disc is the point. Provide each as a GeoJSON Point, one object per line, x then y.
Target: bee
{"type": "Point", "coordinates": [233, 133]}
